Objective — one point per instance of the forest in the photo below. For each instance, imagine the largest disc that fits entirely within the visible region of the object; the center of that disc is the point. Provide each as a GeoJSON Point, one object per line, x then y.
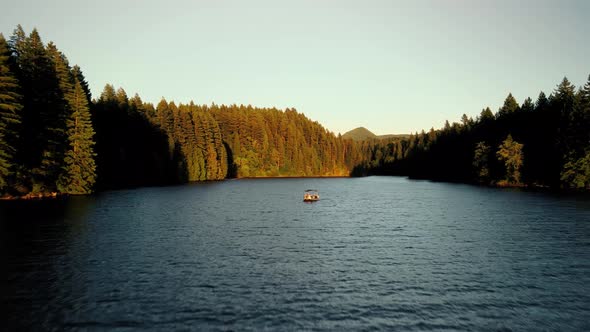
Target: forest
{"type": "Point", "coordinates": [542, 143]}
{"type": "Point", "coordinates": [55, 138]}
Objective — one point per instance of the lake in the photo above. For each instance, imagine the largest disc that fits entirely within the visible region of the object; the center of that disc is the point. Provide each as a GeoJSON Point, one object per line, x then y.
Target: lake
{"type": "Point", "coordinates": [375, 253]}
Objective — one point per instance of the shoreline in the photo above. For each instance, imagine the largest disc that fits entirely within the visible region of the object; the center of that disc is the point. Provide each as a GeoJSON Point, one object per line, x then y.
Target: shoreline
{"type": "Point", "coordinates": [291, 177]}
{"type": "Point", "coordinates": [500, 185]}
{"type": "Point", "coordinates": [31, 196]}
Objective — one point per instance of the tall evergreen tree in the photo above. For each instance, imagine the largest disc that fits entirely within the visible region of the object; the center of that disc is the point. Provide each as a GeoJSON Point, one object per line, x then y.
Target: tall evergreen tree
{"type": "Point", "coordinates": [486, 115]}
{"type": "Point", "coordinates": [40, 148]}
{"type": "Point", "coordinates": [480, 162]}
{"type": "Point", "coordinates": [10, 107]}
{"type": "Point", "coordinates": [576, 170]}
{"type": "Point", "coordinates": [122, 99]}
{"type": "Point", "coordinates": [561, 105]}
{"type": "Point", "coordinates": [77, 72]}
{"type": "Point", "coordinates": [78, 175]}
{"type": "Point", "coordinates": [510, 106]}
{"type": "Point", "coordinates": [108, 94]}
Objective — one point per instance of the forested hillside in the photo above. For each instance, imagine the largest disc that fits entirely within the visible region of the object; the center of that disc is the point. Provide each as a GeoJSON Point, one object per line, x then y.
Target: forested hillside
{"type": "Point", "coordinates": [139, 144]}
{"type": "Point", "coordinates": [54, 138]}
{"type": "Point", "coordinates": [46, 134]}
{"type": "Point", "coordinates": [269, 142]}
{"type": "Point", "coordinates": [542, 143]}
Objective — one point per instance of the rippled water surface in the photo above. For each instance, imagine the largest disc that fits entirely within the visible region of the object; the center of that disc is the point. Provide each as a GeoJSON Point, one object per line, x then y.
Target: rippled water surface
{"type": "Point", "coordinates": [375, 253]}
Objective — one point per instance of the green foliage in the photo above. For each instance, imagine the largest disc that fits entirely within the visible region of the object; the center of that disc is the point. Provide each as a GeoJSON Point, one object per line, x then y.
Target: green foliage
{"type": "Point", "coordinates": [510, 152]}
{"type": "Point", "coordinates": [10, 108]}
{"type": "Point", "coordinates": [77, 72]}
{"type": "Point", "coordinates": [53, 137]}
{"type": "Point", "coordinates": [54, 108]}
{"type": "Point", "coordinates": [510, 106]}
{"type": "Point", "coordinates": [205, 143]}
{"type": "Point", "coordinates": [41, 144]}
{"type": "Point", "coordinates": [131, 151]}
{"type": "Point", "coordinates": [480, 161]}
{"type": "Point", "coordinates": [528, 105]}
{"type": "Point", "coordinates": [79, 167]}
{"type": "Point", "coordinates": [269, 142]}
{"type": "Point", "coordinates": [576, 173]}
{"type": "Point", "coordinates": [553, 141]}
{"type": "Point", "coordinates": [108, 94]}
{"type": "Point", "coordinates": [486, 115]}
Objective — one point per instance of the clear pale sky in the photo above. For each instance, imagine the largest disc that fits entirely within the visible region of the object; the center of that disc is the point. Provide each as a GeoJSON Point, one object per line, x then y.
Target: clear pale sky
{"type": "Point", "coordinates": [390, 66]}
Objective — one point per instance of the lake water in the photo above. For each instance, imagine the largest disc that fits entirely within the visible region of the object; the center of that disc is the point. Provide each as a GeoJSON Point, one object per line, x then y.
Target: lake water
{"type": "Point", "coordinates": [376, 253]}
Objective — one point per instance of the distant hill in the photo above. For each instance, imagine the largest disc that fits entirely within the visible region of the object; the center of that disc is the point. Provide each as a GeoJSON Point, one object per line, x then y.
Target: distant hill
{"type": "Point", "coordinates": [393, 136]}
{"type": "Point", "coordinates": [359, 134]}
{"type": "Point", "coordinates": [362, 133]}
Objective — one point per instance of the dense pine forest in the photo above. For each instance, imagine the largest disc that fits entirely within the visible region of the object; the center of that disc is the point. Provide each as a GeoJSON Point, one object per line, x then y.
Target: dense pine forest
{"type": "Point", "coordinates": [46, 133]}
{"type": "Point", "coordinates": [55, 138]}
{"type": "Point", "coordinates": [542, 143]}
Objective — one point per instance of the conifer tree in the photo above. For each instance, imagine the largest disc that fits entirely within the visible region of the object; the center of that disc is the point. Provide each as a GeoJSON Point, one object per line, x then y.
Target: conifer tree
{"type": "Point", "coordinates": [108, 94]}
{"type": "Point", "coordinates": [576, 171]}
{"type": "Point", "coordinates": [77, 72]}
{"type": "Point", "coordinates": [541, 102]}
{"type": "Point", "coordinates": [480, 161]}
{"type": "Point", "coordinates": [561, 105]}
{"type": "Point", "coordinates": [10, 107]}
{"type": "Point", "coordinates": [40, 148]}
{"type": "Point", "coordinates": [79, 168]}
{"type": "Point", "coordinates": [486, 115]}
{"type": "Point", "coordinates": [510, 106]}
{"type": "Point", "coordinates": [122, 99]}
{"type": "Point", "coordinates": [527, 105]}
{"type": "Point", "coordinates": [69, 107]}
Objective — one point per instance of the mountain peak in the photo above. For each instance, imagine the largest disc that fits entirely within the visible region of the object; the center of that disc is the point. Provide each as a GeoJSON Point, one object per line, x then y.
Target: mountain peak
{"type": "Point", "coordinates": [359, 134]}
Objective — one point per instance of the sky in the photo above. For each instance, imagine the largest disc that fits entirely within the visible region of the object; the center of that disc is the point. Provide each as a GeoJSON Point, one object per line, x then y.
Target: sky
{"type": "Point", "coordinates": [391, 66]}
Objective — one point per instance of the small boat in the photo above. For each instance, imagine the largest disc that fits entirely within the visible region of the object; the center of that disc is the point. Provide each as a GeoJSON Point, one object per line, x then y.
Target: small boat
{"type": "Point", "coordinates": [311, 195]}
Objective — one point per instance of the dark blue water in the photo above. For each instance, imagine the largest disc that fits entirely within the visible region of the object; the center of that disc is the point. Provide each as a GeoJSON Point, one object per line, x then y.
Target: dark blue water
{"type": "Point", "coordinates": [377, 253]}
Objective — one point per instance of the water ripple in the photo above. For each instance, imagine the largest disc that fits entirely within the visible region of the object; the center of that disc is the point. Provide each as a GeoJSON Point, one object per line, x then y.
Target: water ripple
{"type": "Point", "coordinates": [375, 254]}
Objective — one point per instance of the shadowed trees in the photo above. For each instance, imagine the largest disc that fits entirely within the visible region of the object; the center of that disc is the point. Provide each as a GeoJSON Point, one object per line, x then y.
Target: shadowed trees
{"type": "Point", "coordinates": [130, 150]}
{"type": "Point", "coordinates": [54, 138]}
{"type": "Point", "coordinates": [10, 108]}
{"type": "Point", "coordinates": [40, 147]}
{"type": "Point", "coordinates": [543, 143]}
{"type": "Point", "coordinates": [48, 87]}
{"type": "Point", "coordinates": [242, 141]}
{"type": "Point", "coordinates": [269, 142]}
{"type": "Point", "coordinates": [139, 144]}
{"type": "Point", "coordinates": [77, 167]}
{"type": "Point", "coordinates": [481, 163]}
{"type": "Point", "coordinates": [79, 170]}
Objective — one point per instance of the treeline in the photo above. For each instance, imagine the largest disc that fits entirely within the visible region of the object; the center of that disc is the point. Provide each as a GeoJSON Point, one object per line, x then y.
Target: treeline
{"type": "Point", "coordinates": [54, 138]}
{"type": "Point", "coordinates": [269, 142]}
{"type": "Point", "coordinates": [543, 143]}
{"type": "Point", "coordinates": [46, 134]}
{"type": "Point", "coordinates": [142, 144]}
